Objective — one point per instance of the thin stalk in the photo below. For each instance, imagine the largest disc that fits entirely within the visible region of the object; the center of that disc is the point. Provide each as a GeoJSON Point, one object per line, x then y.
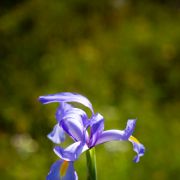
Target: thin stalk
{"type": "Point", "coordinates": [91, 164]}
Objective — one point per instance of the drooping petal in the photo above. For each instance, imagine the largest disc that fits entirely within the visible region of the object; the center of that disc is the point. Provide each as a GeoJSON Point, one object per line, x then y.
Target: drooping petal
{"type": "Point", "coordinates": [138, 148]}
{"type": "Point", "coordinates": [62, 170]}
{"type": "Point", "coordinates": [57, 135]}
{"type": "Point", "coordinates": [72, 152]}
{"type": "Point", "coordinates": [97, 127]}
{"type": "Point", "coordinates": [118, 135]}
{"type": "Point", "coordinates": [66, 97]}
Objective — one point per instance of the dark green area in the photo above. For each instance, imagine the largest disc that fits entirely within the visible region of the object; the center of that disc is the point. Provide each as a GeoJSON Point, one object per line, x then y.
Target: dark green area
{"type": "Point", "coordinates": [124, 55]}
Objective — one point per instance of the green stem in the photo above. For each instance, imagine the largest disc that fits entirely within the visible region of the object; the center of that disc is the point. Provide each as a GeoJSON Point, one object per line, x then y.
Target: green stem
{"type": "Point", "coordinates": [91, 164]}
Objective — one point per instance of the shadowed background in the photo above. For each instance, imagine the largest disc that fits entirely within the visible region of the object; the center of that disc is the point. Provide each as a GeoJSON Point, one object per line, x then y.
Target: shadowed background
{"type": "Point", "coordinates": [122, 54]}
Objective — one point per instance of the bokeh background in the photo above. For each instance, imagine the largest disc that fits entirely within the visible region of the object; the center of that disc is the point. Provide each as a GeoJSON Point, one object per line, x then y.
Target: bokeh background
{"type": "Point", "coordinates": [124, 55]}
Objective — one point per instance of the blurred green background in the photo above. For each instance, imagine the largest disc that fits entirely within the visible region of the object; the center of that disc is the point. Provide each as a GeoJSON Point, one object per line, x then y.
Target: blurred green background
{"type": "Point", "coordinates": [124, 55]}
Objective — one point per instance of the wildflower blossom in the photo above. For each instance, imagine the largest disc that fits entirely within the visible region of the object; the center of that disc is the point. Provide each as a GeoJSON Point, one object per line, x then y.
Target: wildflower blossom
{"type": "Point", "coordinates": [75, 122]}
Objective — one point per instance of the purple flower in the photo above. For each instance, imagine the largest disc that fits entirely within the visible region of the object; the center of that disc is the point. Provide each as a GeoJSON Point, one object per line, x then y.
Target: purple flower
{"type": "Point", "coordinates": [62, 170]}
{"type": "Point", "coordinates": [75, 122]}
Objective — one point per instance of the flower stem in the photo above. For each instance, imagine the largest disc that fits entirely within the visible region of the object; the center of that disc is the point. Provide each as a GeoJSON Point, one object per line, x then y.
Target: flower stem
{"type": "Point", "coordinates": [91, 164]}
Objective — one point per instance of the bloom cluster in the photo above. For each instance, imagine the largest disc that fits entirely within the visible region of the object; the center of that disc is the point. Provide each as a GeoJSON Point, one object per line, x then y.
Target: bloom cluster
{"type": "Point", "coordinates": [86, 133]}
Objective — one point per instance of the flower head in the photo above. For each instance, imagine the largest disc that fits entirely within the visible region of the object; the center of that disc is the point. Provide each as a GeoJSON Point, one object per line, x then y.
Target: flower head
{"type": "Point", "coordinates": [75, 122]}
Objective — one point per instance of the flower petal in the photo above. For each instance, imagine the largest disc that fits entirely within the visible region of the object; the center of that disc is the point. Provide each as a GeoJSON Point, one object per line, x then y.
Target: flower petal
{"type": "Point", "coordinates": [61, 110]}
{"type": "Point", "coordinates": [72, 152]}
{"type": "Point", "coordinates": [66, 97]}
{"type": "Point", "coordinates": [64, 109]}
{"type": "Point", "coordinates": [97, 127]}
{"type": "Point", "coordinates": [130, 127]}
{"type": "Point", "coordinates": [138, 148]}
{"type": "Point", "coordinates": [72, 124]}
{"type": "Point", "coordinates": [111, 135]}
{"type": "Point", "coordinates": [62, 170]}
{"type": "Point", "coordinates": [57, 135]}
{"type": "Point", "coordinates": [76, 111]}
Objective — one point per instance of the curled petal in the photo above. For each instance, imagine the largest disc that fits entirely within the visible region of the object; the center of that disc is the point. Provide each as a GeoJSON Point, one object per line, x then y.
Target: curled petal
{"type": "Point", "coordinates": [129, 128]}
{"type": "Point", "coordinates": [62, 170]}
{"type": "Point", "coordinates": [57, 135]}
{"type": "Point", "coordinates": [76, 111]}
{"type": "Point", "coordinates": [97, 127]}
{"type": "Point", "coordinates": [66, 97]}
{"type": "Point", "coordinates": [66, 108]}
{"type": "Point", "coordinates": [61, 110]}
{"type": "Point", "coordinates": [72, 124]}
{"type": "Point", "coordinates": [72, 152]}
{"type": "Point", "coordinates": [138, 148]}
{"type": "Point", "coordinates": [118, 135]}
